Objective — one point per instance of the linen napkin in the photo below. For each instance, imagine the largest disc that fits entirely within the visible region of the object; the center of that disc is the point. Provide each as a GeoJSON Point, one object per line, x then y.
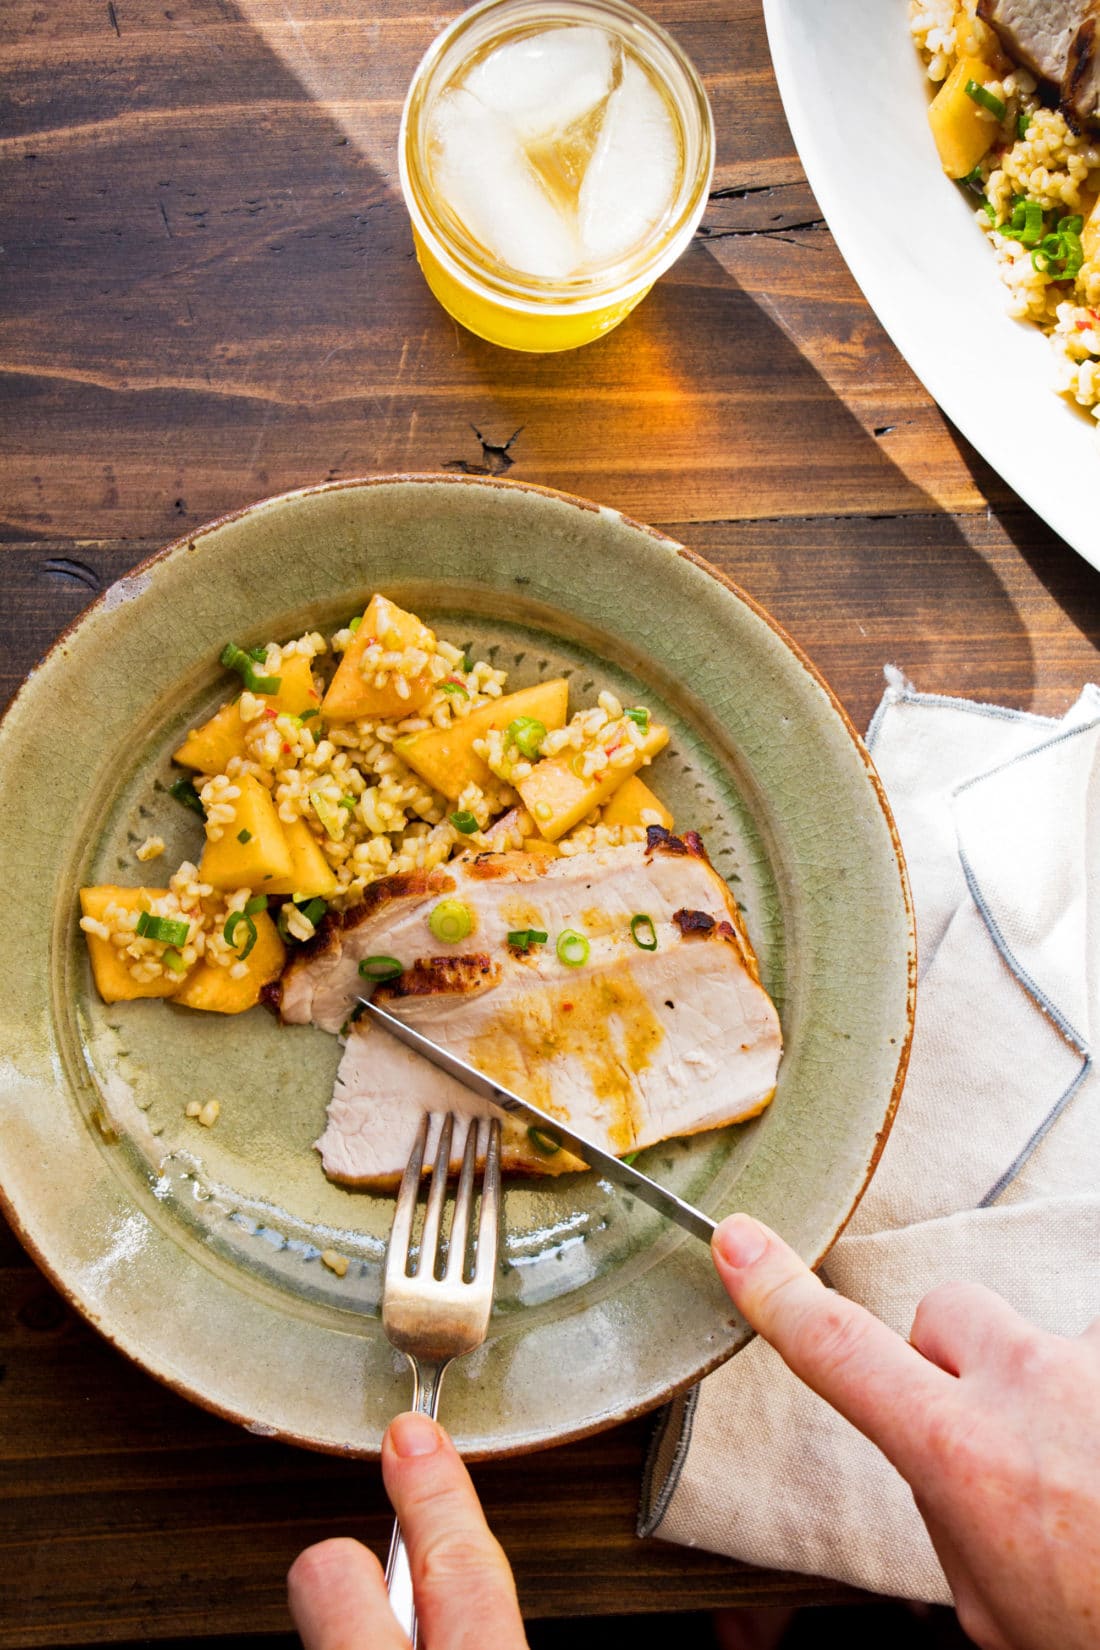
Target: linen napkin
{"type": "Point", "coordinates": [992, 1170]}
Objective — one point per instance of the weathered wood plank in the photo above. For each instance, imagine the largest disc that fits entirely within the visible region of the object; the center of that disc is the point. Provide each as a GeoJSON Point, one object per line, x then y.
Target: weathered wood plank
{"type": "Point", "coordinates": [210, 296]}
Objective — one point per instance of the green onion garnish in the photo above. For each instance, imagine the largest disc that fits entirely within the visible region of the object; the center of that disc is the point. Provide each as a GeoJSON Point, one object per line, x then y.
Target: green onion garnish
{"type": "Point", "coordinates": [244, 836]}
{"type": "Point", "coordinates": [465, 822]}
{"type": "Point", "coordinates": [988, 100]}
{"type": "Point", "coordinates": [1026, 223]}
{"type": "Point", "coordinates": [379, 968]}
{"type": "Point", "coordinates": [313, 910]}
{"type": "Point", "coordinates": [451, 921]}
{"type": "Point", "coordinates": [184, 791]}
{"type": "Point", "coordinates": [347, 802]}
{"type": "Point", "coordinates": [172, 959]}
{"type": "Point", "coordinates": [353, 624]}
{"type": "Point", "coordinates": [990, 211]}
{"type": "Point", "coordinates": [527, 734]}
{"type": "Point", "coordinates": [257, 903]}
{"type": "Point", "coordinates": [455, 687]}
{"type": "Point", "coordinates": [168, 929]}
{"type": "Point", "coordinates": [630, 1157]}
{"type": "Point", "coordinates": [524, 938]}
{"type": "Point", "coordinates": [235, 658]}
{"type": "Point", "coordinates": [643, 932]}
{"type": "Point", "coordinates": [640, 715]}
{"type": "Point", "coordinates": [544, 1143]}
{"type": "Point", "coordinates": [308, 714]}
{"type": "Point", "coordinates": [974, 180]}
{"type": "Point", "coordinates": [1023, 121]}
{"type": "Point", "coordinates": [235, 920]}
{"type": "Point", "coordinates": [572, 948]}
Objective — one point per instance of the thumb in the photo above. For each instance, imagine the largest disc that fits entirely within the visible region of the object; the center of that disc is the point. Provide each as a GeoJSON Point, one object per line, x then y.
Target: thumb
{"type": "Point", "coordinates": [866, 1372]}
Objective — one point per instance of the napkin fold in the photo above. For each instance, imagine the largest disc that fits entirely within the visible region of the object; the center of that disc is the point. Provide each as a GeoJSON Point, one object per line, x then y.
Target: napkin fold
{"type": "Point", "coordinates": [990, 1173]}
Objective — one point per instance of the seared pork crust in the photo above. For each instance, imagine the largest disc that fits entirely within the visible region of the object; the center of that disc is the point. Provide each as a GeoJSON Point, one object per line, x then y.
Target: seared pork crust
{"type": "Point", "coordinates": [1056, 40]}
{"type": "Point", "coordinates": [431, 976]}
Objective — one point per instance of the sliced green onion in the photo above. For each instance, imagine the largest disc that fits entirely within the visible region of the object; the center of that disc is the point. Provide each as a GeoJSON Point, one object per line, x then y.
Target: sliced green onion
{"type": "Point", "coordinates": [172, 959]}
{"type": "Point", "coordinates": [451, 921]}
{"type": "Point", "coordinates": [184, 791]}
{"type": "Point", "coordinates": [543, 1141]}
{"type": "Point", "coordinates": [168, 929]}
{"type": "Point", "coordinates": [1023, 121]}
{"type": "Point", "coordinates": [643, 932]}
{"type": "Point", "coordinates": [244, 836]}
{"type": "Point", "coordinates": [974, 181]}
{"type": "Point", "coordinates": [356, 622]}
{"type": "Point", "coordinates": [307, 715]}
{"type": "Point", "coordinates": [257, 903]}
{"type": "Point", "coordinates": [526, 733]}
{"type": "Point", "coordinates": [524, 938]}
{"type": "Point", "coordinates": [638, 714]}
{"type": "Point", "coordinates": [1026, 223]}
{"type": "Point", "coordinates": [630, 1157]}
{"type": "Point", "coordinates": [379, 968]}
{"type": "Point", "coordinates": [990, 211]}
{"type": "Point", "coordinates": [988, 100]}
{"type": "Point", "coordinates": [347, 802]}
{"type": "Point", "coordinates": [465, 822]}
{"type": "Point", "coordinates": [230, 929]}
{"type": "Point", "coordinates": [257, 653]}
{"type": "Point", "coordinates": [455, 687]}
{"type": "Point", "coordinates": [235, 658]}
{"type": "Point", "coordinates": [572, 948]}
{"type": "Point", "coordinates": [313, 910]}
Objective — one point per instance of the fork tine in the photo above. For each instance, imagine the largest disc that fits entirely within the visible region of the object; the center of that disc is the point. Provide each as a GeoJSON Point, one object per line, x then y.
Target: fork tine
{"type": "Point", "coordinates": [397, 1252]}
{"type": "Point", "coordinates": [464, 1198]}
{"type": "Point", "coordinates": [433, 1215]}
{"type": "Point", "coordinates": [488, 1222]}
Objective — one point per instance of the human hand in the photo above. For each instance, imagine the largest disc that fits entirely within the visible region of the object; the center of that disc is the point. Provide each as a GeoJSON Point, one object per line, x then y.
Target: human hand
{"type": "Point", "coordinates": [465, 1595]}
{"type": "Point", "coordinates": [994, 1424]}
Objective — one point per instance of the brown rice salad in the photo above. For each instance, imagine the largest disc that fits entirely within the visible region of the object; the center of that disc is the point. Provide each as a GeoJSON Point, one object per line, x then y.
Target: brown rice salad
{"type": "Point", "coordinates": [381, 749]}
{"type": "Point", "coordinates": [1034, 179]}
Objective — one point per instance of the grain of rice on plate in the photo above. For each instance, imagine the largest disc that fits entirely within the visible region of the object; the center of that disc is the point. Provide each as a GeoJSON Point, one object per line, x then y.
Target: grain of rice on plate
{"type": "Point", "coordinates": [1034, 179]}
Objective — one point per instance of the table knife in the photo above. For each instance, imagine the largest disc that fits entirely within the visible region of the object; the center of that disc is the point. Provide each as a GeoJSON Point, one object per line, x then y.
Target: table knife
{"type": "Point", "coordinates": [613, 1168]}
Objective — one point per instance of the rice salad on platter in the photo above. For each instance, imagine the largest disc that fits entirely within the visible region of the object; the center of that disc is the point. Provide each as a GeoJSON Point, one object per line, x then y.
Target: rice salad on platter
{"type": "Point", "coordinates": [380, 750]}
{"type": "Point", "coordinates": [1032, 170]}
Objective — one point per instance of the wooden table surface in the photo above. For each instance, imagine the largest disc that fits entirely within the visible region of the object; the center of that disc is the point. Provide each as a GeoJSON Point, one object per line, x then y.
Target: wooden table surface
{"type": "Point", "coordinates": [210, 296]}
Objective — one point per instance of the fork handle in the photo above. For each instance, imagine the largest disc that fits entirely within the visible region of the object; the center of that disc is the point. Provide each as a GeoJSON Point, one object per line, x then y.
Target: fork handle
{"type": "Point", "coordinates": [427, 1380]}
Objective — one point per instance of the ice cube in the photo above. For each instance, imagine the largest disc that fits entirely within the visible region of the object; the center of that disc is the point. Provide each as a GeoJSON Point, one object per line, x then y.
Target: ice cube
{"type": "Point", "coordinates": [479, 168]}
{"type": "Point", "coordinates": [544, 82]}
{"type": "Point", "coordinates": [633, 173]}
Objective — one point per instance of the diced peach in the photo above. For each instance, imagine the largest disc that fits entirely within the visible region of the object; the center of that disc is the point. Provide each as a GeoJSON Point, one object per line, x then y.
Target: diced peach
{"type": "Point", "coordinates": [351, 694]}
{"type": "Point", "coordinates": [252, 851]}
{"type": "Point", "coordinates": [210, 747]}
{"type": "Point", "coordinates": [113, 979]}
{"type": "Point", "coordinates": [557, 798]}
{"type": "Point", "coordinates": [445, 758]}
{"type": "Point", "coordinates": [963, 130]}
{"type": "Point", "coordinates": [630, 801]}
{"type": "Point", "coordinates": [215, 989]}
{"type": "Point", "coordinates": [310, 872]}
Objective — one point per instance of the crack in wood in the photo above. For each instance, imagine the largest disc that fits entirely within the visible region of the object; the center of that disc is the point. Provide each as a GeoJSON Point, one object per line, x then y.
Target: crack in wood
{"type": "Point", "coordinates": [113, 15]}
{"type": "Point", "coordinates": [496, 458]}
{"type": "Point", "coordinates": [69, 570]}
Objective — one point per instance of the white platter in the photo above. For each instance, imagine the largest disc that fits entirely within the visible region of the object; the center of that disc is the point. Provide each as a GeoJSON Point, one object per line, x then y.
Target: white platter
{"type": "Point", "coordinates": [855, 94]}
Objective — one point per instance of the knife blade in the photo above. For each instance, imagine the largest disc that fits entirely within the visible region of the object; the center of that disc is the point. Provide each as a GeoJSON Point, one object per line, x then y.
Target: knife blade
{"type": "Point", "coordinates": [621, 1174]}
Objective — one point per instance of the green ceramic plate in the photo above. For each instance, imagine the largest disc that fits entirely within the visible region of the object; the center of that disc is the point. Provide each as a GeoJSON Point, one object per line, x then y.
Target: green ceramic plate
{"type": "Point", "coordinates": [197, 1251]}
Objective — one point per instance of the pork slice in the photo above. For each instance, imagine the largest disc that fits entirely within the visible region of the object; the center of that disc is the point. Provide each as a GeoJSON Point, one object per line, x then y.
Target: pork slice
{"type": "Point", "coordinates": [1037, 33]}
{"type": "Point", "coordinates": [1081, 81]}
{"type": "Point", "coordinates": [636, 1047]}
{"type": "Point", "coordinates": [595, 893]}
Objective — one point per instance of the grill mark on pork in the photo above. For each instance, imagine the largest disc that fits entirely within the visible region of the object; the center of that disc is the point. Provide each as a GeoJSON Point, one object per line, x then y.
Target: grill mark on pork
{"type": "Point", "coordinates": [694, 922]}
{"type": "Point", "coordinates": [660, 841]}
{"type": "Point", "coordinates": [436, 976]}
{"type": "Point", "coordinates": [1081, 82]}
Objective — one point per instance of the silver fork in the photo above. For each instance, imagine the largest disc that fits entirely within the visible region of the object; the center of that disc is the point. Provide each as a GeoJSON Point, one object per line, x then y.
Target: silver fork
{"type": "Point", "coordinates": [430, 1318]}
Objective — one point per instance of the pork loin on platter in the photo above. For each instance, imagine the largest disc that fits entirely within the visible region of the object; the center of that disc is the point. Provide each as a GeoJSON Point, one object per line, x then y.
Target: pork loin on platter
{"type": "Point", "coordinates": [1058, 40]}
{"type": "Point", "coordinates": [633, 1047]}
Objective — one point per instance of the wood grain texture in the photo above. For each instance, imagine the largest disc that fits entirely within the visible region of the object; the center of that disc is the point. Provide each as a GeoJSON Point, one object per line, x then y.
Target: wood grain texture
{"type": "Point", "coordinates": [208, 294]}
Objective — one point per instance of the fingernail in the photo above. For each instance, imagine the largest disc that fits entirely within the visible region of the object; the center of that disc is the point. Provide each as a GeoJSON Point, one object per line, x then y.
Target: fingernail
{"type": "Point", "coordinates": [740, 1240]}
{"type": "Point", "coordinates": [414, 1435]}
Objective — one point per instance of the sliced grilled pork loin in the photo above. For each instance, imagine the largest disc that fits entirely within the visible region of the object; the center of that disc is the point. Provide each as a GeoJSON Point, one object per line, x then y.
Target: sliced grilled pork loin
{"type": "Point", "coordinates": [1056, 39]}
{"type": "Point", "coordinates": [633, 1047]}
